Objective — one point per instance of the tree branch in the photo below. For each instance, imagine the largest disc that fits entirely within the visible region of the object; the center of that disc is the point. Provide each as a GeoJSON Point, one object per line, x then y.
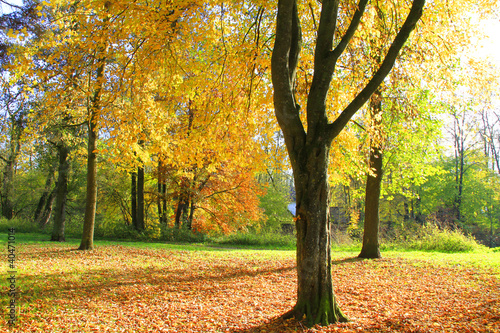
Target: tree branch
{"type": "Point", "coordinates": [384, 69]}
{"type": "Point", "coordinates": [353, 26]}
{"type": "Point", "coordinates": [325, 59]}
{"type": "Point", "coordinates": [283, 69]}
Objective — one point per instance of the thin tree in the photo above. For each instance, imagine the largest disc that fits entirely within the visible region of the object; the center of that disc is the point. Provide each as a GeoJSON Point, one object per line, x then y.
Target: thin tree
{"type": "Point", "coordinates": [61, 193]}
{"type": "Point", "coordinates": [370, 248]}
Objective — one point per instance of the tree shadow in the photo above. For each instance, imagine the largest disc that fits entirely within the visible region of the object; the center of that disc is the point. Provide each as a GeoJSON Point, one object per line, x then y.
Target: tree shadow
{"type": "Point", "coordinates": [277, 324]}
{"type": "Point", "coordinates": [347, 260]}
{"type": "Point", "coordinates": [108, 279]}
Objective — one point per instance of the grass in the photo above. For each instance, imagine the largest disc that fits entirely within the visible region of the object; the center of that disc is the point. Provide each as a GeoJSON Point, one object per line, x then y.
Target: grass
{"type": "Point", "coordinates": [168, 287]}
{"type": "Point", "coordinates": [480, 256]}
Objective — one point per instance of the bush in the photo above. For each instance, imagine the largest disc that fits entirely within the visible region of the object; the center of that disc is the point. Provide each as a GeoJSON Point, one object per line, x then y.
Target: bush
{"type": "Point", "coordinates": [21, 225]}
{"type": "Point", "coordinates": [266, 240]}
{"type": "Point", "coordinates": [181, 235]}
{"type": "Point", "coordinates": [435, 239]}
{"type": "Point", "coordinates": [342, 239]}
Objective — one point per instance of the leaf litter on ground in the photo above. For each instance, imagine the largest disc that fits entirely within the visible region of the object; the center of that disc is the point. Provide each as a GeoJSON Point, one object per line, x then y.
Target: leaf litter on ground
{"type": "Point", "coordinates": [126, 289]}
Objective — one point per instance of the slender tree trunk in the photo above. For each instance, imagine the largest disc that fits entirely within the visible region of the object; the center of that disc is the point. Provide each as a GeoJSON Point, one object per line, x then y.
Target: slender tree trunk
{"type": "Point", "coordinates": [45, 195]}
{"type": "Point", "coordinates": [133, 194]}
{"type": "Point", "coordinates": [459, 141]}
{"type": "Point", "coordinates": [94, 109]}
{"type": "Point", "coordinates": [62, 192]}
{"type": "Point", "coordinates": [87, 242]}
{"type": "Point", "coordinates": [460, 184]}
{"type": "Point", "coordinates": [140, 199]}
{"type": "Point", "coordinates": [164, 200]}
{"type": "Point", "coordinates": [159, 193]}
{"type": "Point", "coordinates": [17, 128]}
{"type": "Point", "coordinates": [44, 217]}
{"type": "Point", "coordinates": [418, 210]}
{"type": "Point", "coordinates": [179, 213]}
{"type": "Point", "coordinates": [191, 215]}
{"type": "Point", "coordinates": [7, 189]}
{"type": "Point", "coordinates": [370, 248]}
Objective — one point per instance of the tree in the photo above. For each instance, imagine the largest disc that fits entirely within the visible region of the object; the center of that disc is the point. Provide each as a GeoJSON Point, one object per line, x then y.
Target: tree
{"type": "Point", "coordinates": [308, 147]}
{"type": "Point", "coordinates": [14, 109]}
{"type": "Point", "coordinates": [17, 96]}
{"type": "Point", "coordinates": [370, 247]}
{"type": "Point", "coordinates": [61, 193]}
{"type": "Point", "coordinates": [44, 208]}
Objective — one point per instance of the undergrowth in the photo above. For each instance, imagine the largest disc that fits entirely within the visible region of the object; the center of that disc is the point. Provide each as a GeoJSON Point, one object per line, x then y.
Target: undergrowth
{"type": "Point", "coordinates": [427, 238]}
{"type": "Point", "coordinates": [264, 240]}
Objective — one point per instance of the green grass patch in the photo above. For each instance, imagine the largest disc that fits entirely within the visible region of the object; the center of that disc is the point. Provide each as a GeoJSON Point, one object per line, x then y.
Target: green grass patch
{"type": "Point", "coordinates": [432, 239]}
{"type": "Point", "coordinates": [261, 241]}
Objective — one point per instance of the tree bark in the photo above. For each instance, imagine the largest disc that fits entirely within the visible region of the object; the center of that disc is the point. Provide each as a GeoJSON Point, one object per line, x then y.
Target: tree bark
{"type": "Point", "coordinates": [140, 199]}
{"type": "Point", "coordinates": [44, 217]}
{"type": "Point", "coordinates": [192, 208]}
{"type": "Point", "coordinates": [8, 178]}
{"type": "Point", "coordinates": [159, 195]}
{"type": "Point", "coordinates": [9, 168]}
{"type": "Point", "coordinates": [44, 197]}
{"type": "Point", "coordinates": [460, 151]}
{"type": "Point", "coordinates": [87, 242]}
{"type": "Point", "coordinates": [371, 248]}
{"type": "Point", "coordinates": [315, 298]}
{"type": "Point", "coordinates": [180, 212]}
{"type": "Point", "coordinates": [164, 201]}
{"type": "Point", "coordinates": [62, 192]}
{"type": "Point", "coordinates": [133, 194]}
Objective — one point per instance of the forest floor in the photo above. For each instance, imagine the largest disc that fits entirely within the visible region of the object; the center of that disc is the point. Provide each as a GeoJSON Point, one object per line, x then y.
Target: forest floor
{"type": "Point", "coordinates": [134, 287]}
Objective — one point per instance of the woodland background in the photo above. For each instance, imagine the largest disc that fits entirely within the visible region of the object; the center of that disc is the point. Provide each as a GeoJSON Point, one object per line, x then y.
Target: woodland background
{"type": "Point", "coordinates": [186, 143]}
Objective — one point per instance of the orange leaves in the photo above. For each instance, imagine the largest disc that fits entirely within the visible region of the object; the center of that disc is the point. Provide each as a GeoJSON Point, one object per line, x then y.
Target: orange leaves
{"type": "Point", "coordinates": [124, 288]}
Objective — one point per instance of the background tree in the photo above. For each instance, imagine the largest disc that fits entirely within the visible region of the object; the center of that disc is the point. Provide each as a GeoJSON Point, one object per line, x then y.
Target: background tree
{"type": "Point", "coordinates": [14, 107]}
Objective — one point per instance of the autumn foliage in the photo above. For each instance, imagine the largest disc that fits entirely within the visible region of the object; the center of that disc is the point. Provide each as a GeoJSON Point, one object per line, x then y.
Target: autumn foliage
{"type": "Point", "coordinates": [181, 92]}
{"type": "Point", "coordinates": [124, 288]}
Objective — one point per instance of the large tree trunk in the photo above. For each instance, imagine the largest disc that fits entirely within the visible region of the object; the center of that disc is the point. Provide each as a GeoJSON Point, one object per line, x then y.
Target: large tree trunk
{"type": "Point", "coordinates": [62, 192]}
{"type": "Point", "coordinates": [315, 297]}
{"type": "Point", "coordinates": [94, 109]}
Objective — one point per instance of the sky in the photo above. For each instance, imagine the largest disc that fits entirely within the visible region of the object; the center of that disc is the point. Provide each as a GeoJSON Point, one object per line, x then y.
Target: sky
{"type": "Point", "coordinates": [489, 46]}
